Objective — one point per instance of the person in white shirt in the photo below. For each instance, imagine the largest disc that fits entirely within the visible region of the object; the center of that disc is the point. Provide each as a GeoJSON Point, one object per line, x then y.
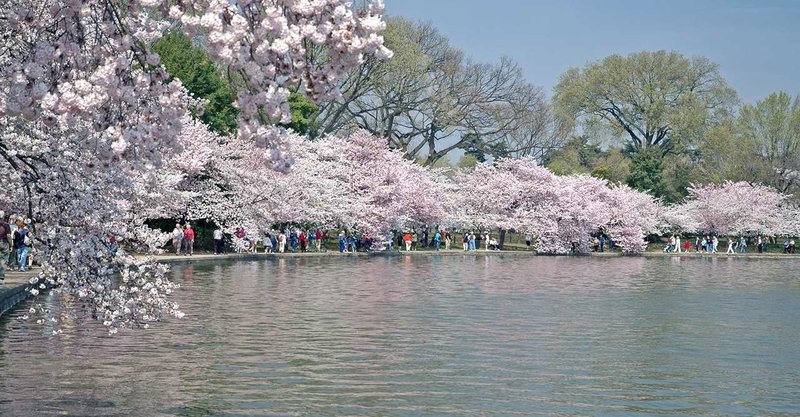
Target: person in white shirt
{"type": "Point", "coordinates": [177, 238]}
{"type": "Point", "coordinates": [281, 242]}
{"type": "Point", "coordinates": [218, 241]}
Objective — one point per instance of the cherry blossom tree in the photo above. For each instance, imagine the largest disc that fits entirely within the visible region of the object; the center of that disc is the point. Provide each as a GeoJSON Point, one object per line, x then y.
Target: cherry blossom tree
{"type": "Point", "coordinates": [562, 212]}
{"type": "Point", "coordinates": [736, 208]}
{"type": "Point", "coordinates": [355, 182]}
{"type": "Point", "coordinates": [88, 119]}
{"type": "Point", "coordinates": [274, 45]}
{"type": "Point", "coordinates": [633, 215]}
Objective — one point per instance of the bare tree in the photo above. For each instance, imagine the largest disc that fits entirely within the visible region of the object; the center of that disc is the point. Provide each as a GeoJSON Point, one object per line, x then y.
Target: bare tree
{"type": "Point", "coordinates": [429, 97]}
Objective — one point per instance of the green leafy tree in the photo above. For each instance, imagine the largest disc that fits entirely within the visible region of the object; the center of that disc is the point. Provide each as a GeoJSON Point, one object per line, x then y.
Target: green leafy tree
{"type": "Point", "coordinates": [724, 156]}
{"type": "Point", "coordinates": [650, 99]}
{"type": "Point", "coordinates": [576, 157]}
{"type": "Point", "coordinates": [302, 110]}
{"type": "Point", "coordinates": [771, 129]}
{"type": "Point", "coordinates": [646, 170]}
{"type": "Point", "coordinates": [191, 64]}
{"type": "Point", "coordinates": [467, 161]}
{"type": "Point", "coordinates": [761, 145]}
{"type": "Point", "coordinates": [612, 165]}
{"type": "Point", "coordinates": [202, 78]}
{"type": "Point", "coordinates": [472, 146]}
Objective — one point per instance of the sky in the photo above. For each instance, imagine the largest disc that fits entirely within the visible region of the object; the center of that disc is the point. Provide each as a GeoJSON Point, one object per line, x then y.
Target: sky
{"type": "Point", "coordinates": [755, 43]}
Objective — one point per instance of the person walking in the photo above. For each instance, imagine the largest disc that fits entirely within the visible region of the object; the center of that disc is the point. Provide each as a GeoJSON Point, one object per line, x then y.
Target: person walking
{"type": "Point", "coordinates": [742, 244]}
{"type": "Point", "coordinates": [5, 231]}
{"type": "Point", "coordinates": [529, 238]}
{"type": "Point", "coordinates": [472, 241]}
{"type": "Point", "coordinates": [177, 238]}
{"type": "Point", "coordinates": [303, 242]}
{"type": "Point", "coordinates": [22, 243]}
{"type": "Point", "coordinates": [342, 242]}
{"type": "Point", "coordinates": [407, 241]}
{"type": "Point", "coordinates": [448, 238]}
{"type": "Point", "coordinates": [352, 242]}
{"type": "Point", "coordinates": [730, 245]}
{"type": "Point", "coordinates": [239, 242]}
{"type": "Point", "coordinates": [218, 241]}
{"type": "Point", "coordinates": [677, 244]}
{"type": "Point", "coordinates": [390, 242]}
{"type": "Point", "coordinates": [188, 239]}
{"type": "Point", "coordinates": [715, 243]}
{"type": "Point", "coordinates": [267, 243]}
{"type": "Point", "coordinates": [11, 263]}
{"type": "Point", "coordinates": [312, 239]}
{"type": "Point", "coordinates": [319, 240]}
{"type": "Point", "coordinates": [414, 241]}
{"type": "Point", "coordinates": [466, 241]}
{"type": "Point", "coordinates": [437, 240]}
{"type": "Point", "coordinates": [281, 242]}
{"type": "Point", "coordinates": [294, 240]}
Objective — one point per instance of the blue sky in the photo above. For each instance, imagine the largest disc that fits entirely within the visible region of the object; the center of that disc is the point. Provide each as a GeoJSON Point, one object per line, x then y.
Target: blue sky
{"type": "Point", "coordinates": [756, 43]}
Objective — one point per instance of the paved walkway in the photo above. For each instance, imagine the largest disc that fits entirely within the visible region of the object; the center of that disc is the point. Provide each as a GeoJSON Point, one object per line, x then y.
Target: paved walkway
{"type": "Point", "coordinates": [167, 258]}
{"type": "Point", "coordinates": [12, 291]}
{"type": "Point", "coordinates": [14, 278]}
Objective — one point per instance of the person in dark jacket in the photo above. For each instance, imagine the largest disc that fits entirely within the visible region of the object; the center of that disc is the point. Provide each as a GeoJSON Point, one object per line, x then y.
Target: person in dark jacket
{"type": "Point", "coordinates": [22, 243]}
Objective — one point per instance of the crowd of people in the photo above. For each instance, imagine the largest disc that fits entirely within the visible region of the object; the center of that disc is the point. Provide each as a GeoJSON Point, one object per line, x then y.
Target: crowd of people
{"type": "Point", "coordinates": [710, 244]}
{"type": "Point", "coordinates": [299, 240]}
{"type": "Point", "coordinates": [17, 245]}
{"type": "Point", "coordinates": [287, 240]}
{"type": "Point", "coordinates": [412, 239]}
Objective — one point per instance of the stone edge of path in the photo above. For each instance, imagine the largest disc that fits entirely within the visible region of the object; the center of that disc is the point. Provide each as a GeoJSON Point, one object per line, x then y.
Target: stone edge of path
{"type": "Point", "coordinates": [203, 257]}
{"type": "Point", "coordinates": [12, 295]}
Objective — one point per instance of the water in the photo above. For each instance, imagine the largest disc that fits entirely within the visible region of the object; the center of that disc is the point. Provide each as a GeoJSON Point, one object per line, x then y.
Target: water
{"type": "Point", "coordinates": [427, 336]}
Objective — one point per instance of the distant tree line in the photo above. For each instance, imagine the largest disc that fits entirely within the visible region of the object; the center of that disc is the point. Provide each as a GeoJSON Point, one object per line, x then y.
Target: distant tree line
{"type": "Point", "coordinates": [655, 120]}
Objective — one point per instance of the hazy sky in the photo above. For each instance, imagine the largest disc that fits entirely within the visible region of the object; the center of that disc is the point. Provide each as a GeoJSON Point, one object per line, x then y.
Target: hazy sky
{"type": "Point", "coordinates": [756, 43]}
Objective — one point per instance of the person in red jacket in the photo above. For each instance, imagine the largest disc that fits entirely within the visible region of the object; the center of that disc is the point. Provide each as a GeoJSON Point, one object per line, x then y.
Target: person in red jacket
{"type": "Point", "coordinates": [319, 240]}
{"type": "Point", "coordinates": [188, 239]}
{"type": "Point", "coordinates": [303, 242]}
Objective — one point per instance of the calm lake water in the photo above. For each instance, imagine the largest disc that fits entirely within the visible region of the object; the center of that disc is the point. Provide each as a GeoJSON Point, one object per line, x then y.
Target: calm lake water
{"type": "Point", "coordinates": [429, 336]}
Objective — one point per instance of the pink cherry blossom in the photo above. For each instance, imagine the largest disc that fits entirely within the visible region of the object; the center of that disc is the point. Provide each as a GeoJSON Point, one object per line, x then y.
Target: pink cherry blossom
{"type": "Point", "coordinates": [560, 211]}
{"type": "Point", "coordinates": [91, 139]}
{"type": "Point", "coordinates": [736, 208]}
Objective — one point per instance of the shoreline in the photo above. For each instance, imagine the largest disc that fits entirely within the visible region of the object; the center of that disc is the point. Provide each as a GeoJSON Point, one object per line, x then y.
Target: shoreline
{"type": "Point", "coordinates": [178, 259]}
{"type": "Point", "coordinates": [15, 288]}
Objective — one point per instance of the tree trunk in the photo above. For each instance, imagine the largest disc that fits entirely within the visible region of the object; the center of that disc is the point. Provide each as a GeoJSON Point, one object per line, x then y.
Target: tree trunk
{"type": "Point", "coordinates": [502, 238]}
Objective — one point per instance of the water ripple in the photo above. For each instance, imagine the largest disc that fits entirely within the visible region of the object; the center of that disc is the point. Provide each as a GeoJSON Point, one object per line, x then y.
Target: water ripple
{"type": "Point", "coordinates": [459, 336]}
